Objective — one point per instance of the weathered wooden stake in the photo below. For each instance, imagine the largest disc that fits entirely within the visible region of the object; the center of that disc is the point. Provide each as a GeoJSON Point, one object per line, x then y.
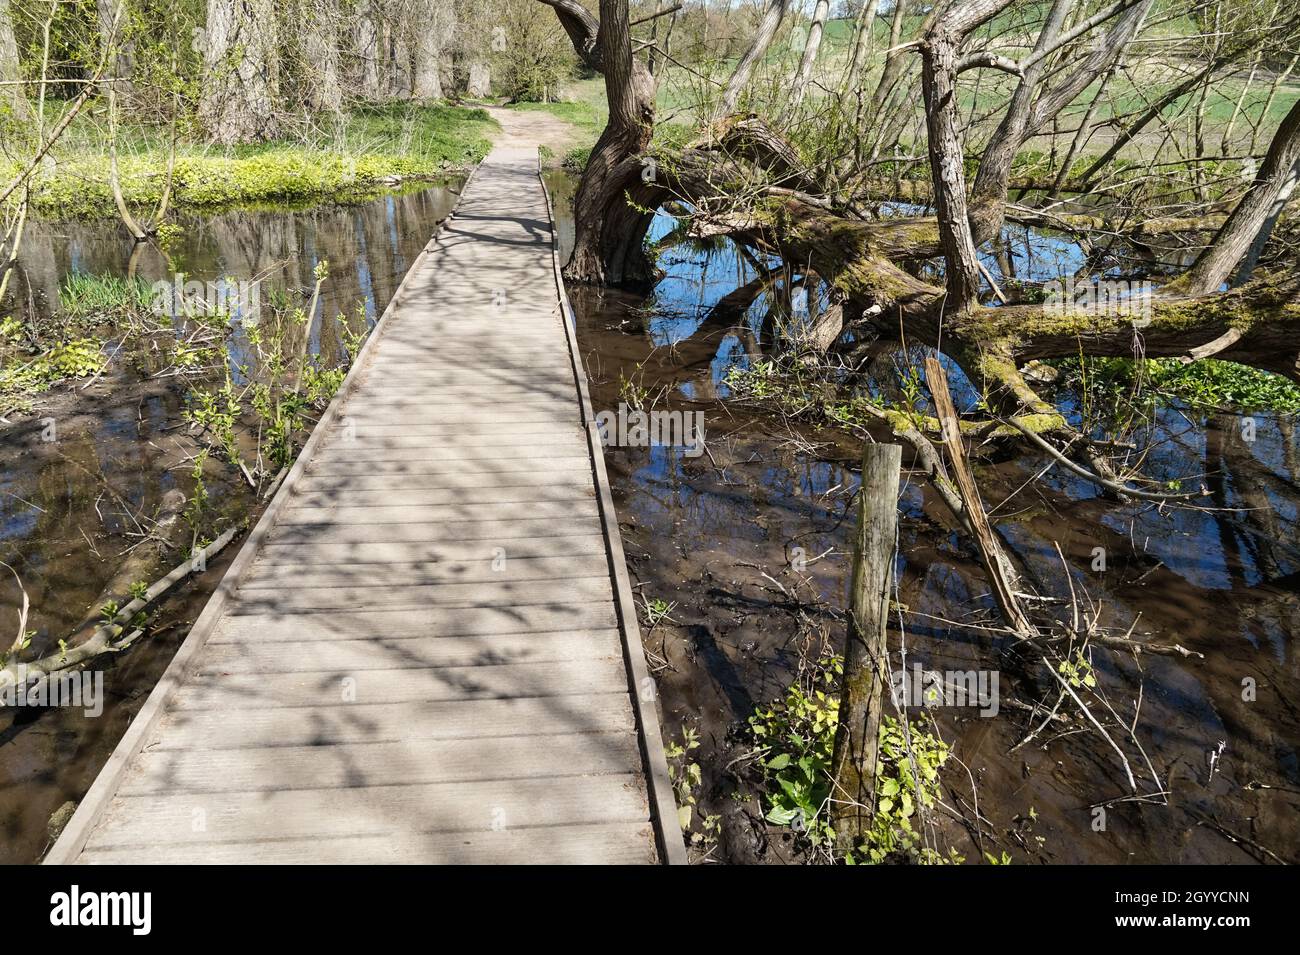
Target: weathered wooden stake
{"type": "Point", "coordinates": [866, 670]}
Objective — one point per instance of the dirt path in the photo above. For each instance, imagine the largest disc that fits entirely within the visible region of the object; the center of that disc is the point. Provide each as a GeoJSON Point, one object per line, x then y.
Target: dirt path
{"type": "Point", "coordinates": [528, 128]}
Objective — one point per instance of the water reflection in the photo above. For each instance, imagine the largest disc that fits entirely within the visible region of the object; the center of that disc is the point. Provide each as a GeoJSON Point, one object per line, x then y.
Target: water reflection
{"type": "Point", "coordinates": [68, 508]}
{"type": "Point", "coordinates": [1222, 580]}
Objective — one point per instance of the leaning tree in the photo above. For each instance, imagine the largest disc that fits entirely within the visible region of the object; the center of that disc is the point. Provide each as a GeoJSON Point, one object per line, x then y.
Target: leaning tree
{"type": "Point", "coordinates": [741, 179]}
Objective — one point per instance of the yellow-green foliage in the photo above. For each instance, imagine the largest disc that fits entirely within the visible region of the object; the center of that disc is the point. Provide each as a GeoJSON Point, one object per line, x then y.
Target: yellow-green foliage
{"type": "Point", "coordinates": [22, 376]}
{"type": "Point", "coordinates": [794, 739]}
{"type": "Point", "coordinates": [81, 188]}
{"type": "Point", "coordinates": [376, 144]}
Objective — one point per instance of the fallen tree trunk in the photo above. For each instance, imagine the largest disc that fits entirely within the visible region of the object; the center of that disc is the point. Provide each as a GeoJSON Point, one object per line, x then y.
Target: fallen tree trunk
{"type": "Point", "coordinates": [107, 637]}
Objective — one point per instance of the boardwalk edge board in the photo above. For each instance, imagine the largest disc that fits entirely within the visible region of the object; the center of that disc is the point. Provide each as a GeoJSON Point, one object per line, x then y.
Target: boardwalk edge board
{"type": "Point", "coordinates": [663, 804]}
{"type": "Point", "coordinates": [90, 809]}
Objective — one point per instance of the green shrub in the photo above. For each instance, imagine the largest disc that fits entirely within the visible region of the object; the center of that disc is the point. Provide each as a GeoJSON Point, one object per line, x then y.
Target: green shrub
{"type": "Point", "coordinates": [795, 739]}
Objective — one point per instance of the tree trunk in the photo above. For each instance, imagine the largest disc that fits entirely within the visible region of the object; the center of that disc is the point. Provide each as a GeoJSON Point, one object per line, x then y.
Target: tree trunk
{"type": "Point", "coordinates": [939, 87]}
{"type": "Point", "coordinates": [1216, 263]}
{"type": "Point", "coordinates": [321, 46]}
{"type": "Point", "coordinates": [766, 32]}
{"type": "Point", "coordinates": [866, 658]}
{"type": "Point", "coordinates": [1247, 267]}
{"type": "Point", "coordinates": [114, 35]}
{"type": "Point", "coordinates": [398, 59]}
{"type": "Point", "coordinates": [609, 233]}
{"type": "Point", "coordinates": [366, 39]}
{"type": "Point", "coordinates": [478, 83]}
{"type": "Point", "coordinates": [861, 44]}
{"type": "Point", "coordinates": [893, 59]}
{"type": "Point", "coordinates": [434, 34]}
{"type": "Point", "coordinates": [804, 76]}
{"type": "Point", "coordinates": [239, 55]}
{"type": "Point", "coordinates": [11, 94]}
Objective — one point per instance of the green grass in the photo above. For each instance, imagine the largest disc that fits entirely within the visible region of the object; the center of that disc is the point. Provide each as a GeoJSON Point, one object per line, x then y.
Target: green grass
{"type": "Point", "coordinates": [348, 161]}
{"type": "Point", "coordinates": [85, 295]}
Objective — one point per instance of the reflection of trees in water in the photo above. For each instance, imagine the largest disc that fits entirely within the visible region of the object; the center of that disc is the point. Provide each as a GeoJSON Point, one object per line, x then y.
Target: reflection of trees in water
{"type": "Point", "coordinates": [1239, 479]}
{"type": "Point", "coordinates": [369, 248]}
{"type": "Point", "coordinates": [1256, 537]}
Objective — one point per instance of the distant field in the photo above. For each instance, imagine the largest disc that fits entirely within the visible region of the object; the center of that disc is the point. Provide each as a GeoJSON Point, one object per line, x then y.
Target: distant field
{"type": "Point", "coordinates": [584, 100]}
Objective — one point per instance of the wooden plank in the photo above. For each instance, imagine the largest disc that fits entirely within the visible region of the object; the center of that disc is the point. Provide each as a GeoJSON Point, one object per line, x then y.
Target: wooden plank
{"type": "Point", "coordinates": [376, 594]}
{"type": "Point", "coordinates": [280, 574]}
{"type": "Point", "coordinates": [447, 531]}
{"type": "Point", "coordinates": [373, 810]}
{"type": "Point", "coordinates": [460, 469]}
{"type": "Point", "coordinates": [481, 485]}
{"type": "Point", "coordinates": [610, 844]}
{"type": "Point", "coordinates": [508, 429]}
{"type": "Point", "coordinates": [563, 678]}
{"type": "Point", "coordinates": [439, 514]}
{"type": "Point", "coordinates": [422, 621]}
{"type": "Point", "coordinates": [308, 655]}
{"type": "Point", "coordinates": [520, 717]}
{"type": "Point", "coordinates": [522, 548]}
{"type": "Point", "coordinates": [472, 457]}
{"type": "Point", "coordinates": [424, 378]}
{"type": "Point", "coordinates": [268, 769]}
{"type": "Point", "coordinates": [417, 499]}
{"type": "Point", "coordinates": [471, 441]}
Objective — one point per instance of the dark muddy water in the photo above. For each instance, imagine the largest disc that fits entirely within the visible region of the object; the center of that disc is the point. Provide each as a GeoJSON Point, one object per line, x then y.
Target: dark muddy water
{"type": "Point", "coordinates": [716, 536]}
{"type": "Point", "coordinates": [69, 507]}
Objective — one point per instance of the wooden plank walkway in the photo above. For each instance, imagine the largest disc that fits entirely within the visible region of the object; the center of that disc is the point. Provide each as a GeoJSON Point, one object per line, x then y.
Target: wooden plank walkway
{"type": "Point", "coordinates": [426, 651]}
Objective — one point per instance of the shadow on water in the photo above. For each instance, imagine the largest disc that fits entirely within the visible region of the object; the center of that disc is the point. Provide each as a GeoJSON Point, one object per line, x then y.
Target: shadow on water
{"type": "Point", "coordinates": [69, 507]}
{"type": "Point", "coordinates": [714, 535]}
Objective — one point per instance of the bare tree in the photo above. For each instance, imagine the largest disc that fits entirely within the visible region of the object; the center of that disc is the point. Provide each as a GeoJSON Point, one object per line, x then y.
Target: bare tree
{"type": "Point", "coordinates": [861, 43]}
{"type": "Point", "coordinates": [366, 37]}
{"type": "Point", "coordinates": [1248, 218]}
{"type": "Point", "coordinates": [770, 22]}
{"type": "Point", "coordinates": [11, 92]}
{"type": "Point", "coordinates": [320, 40]}
{"type": "Point", "coordinates": [815, 30]}
{"type": "Point", "coordinates": [240, 61]}
{"type": "Point", "coordinates": [435, 23]}
{"type": "Point", "coordinates": [608, 246]}
{"type": "Point", "coordinates": [115, 32]}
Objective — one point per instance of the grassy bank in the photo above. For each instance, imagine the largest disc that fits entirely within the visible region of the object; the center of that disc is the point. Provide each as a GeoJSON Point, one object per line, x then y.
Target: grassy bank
{"type": "Point", "coordinates": [345, 161]}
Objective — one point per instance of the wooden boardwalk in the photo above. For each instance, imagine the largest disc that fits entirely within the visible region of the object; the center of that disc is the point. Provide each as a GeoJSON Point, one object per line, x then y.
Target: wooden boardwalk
{"type": "Point", "coordinates": [427, 650]}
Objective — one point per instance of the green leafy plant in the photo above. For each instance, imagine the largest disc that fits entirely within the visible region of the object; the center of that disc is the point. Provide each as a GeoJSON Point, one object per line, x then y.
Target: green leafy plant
{"type": "Point", "coordinates": [657, 610]}
{"type": "Point", "coordinates": [686, 778]}
{"type": "Point", "coordinates": [1077, 670]}
{"type": "Point", "coordinates": [794, 742]}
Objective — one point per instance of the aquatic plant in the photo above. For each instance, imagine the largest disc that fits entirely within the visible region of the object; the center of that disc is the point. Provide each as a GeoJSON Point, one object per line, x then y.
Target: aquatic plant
{"type": "Point", "coordinates": [83, 294]}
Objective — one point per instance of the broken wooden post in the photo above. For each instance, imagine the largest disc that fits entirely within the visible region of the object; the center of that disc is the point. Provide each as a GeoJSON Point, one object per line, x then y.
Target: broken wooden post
{"type": "Point", "coordinates": [866, 670]}
{"type": "Point", "coordinates": [1002, 575]}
